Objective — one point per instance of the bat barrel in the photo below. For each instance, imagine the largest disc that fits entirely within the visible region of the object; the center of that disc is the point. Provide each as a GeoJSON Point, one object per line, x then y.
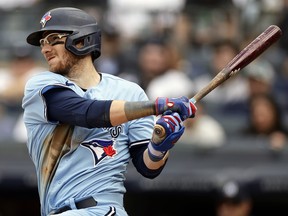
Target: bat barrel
{"type": "Point", "coordinates": [255, 48]}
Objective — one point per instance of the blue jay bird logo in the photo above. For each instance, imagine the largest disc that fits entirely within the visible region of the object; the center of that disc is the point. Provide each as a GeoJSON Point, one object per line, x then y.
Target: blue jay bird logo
{"type": "Point", "coordinates": [45, 19]}
{"type": "Point", "coordinates": [100, 149]}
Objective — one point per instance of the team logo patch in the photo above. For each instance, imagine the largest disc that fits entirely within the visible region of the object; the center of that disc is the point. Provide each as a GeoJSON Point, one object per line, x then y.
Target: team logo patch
{"type": "Point", "coordinates": [100, 149]}
{"type": "Point", "coordinates": [45, 19]}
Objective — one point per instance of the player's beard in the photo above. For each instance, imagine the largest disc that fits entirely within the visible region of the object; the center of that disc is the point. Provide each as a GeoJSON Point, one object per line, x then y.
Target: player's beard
{"type": "Point", "coordinates": [67, 65]}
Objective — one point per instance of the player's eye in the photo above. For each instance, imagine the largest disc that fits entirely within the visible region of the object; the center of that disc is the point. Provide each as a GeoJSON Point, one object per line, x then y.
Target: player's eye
{"type": "Point", "coordinates": [52, 39]}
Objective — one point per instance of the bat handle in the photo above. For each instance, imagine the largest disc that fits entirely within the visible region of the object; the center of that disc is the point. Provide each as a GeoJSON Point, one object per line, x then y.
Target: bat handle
{"type": "Point", "coordinates": [159, 134]}
{"type": "Point", "coordinates": [193, 100]}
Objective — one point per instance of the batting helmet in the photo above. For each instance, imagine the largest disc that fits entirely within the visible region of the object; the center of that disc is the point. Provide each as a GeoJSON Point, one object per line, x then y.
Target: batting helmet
{"type": "Point", "coordinates": [79, 25]}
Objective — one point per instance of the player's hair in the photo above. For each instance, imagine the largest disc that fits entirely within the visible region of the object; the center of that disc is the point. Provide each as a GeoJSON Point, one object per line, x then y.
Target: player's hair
{"type": "Point", "coordinates": [80, 25]}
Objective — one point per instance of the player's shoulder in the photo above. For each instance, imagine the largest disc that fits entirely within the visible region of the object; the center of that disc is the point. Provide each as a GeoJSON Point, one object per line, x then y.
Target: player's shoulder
{"type": "Point", "coordinates": [122, 88]}
{"type": "Point", "coordinates": [124, 83]}
{"type": "Point", "coordinates": [45, 78]}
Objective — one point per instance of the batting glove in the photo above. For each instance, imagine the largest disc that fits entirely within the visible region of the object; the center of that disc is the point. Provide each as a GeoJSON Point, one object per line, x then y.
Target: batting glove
{"type": "Point", "coordinates": [181, 105]}
{"type": "Point", "coordinates": [172, 123]}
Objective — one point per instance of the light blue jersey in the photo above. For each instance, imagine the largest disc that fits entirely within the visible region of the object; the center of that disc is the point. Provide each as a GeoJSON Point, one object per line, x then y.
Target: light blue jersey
{"type": "Point", "coordinates": [74, 162]}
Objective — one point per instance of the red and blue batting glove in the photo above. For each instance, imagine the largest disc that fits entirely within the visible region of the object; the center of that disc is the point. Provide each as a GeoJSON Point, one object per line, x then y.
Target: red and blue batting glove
{"type": "Point", "coordinates": [181, 105]}
{"type": "Point", "coordinates": [172, 123]}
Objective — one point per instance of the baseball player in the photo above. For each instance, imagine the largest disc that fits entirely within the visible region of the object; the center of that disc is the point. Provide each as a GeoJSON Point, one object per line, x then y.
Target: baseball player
{"type": "Point", "coordinates": [84, 126]}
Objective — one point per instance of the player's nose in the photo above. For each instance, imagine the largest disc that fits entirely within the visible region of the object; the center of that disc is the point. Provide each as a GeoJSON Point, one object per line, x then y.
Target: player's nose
{"type": "Point", "coordinates": [45, 48]}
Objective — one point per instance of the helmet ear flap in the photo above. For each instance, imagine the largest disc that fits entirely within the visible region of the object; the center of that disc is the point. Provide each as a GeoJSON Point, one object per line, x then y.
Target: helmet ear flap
{"type": "Point", "coordinates": [91, 38]}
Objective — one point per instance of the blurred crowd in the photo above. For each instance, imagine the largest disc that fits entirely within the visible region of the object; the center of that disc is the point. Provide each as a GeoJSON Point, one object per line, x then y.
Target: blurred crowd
{"type": "Point", "coordinates": [173, 48]}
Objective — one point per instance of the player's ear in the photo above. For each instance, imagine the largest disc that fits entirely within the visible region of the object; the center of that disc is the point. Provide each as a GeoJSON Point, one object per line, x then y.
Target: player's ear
{"type": "Point", "coordinates": [79, 43]}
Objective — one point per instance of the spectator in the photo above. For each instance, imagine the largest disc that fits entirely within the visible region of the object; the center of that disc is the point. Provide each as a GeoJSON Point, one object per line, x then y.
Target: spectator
{"type": "Point", "coordinates": [113, 59]}
{"type": "Point", "coordinates": [234, 199]}
{"type": "Point", "coordinates": [204, 132]}
{"type": "Point", "coordinates": [155, 57]}
{"type": "Point", "coordinates": [230, 96]}
{"type": "Point", "coordinates": [170, 80]}
{"type": "Point", "coordinates": [265, 120]}
{"type": "Point", "coordinates": [261, 77]}
{"type": "Point", "coordinates": [21, 67]}
{"type": "Point", "coordinates": [281, 83]}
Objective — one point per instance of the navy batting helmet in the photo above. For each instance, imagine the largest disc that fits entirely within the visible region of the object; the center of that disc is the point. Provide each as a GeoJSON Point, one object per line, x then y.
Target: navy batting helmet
{"type": "Point", "coordinates": [79, 25]}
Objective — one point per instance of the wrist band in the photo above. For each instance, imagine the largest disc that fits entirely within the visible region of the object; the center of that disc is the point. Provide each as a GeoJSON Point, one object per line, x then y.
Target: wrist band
{"type": "Point", "coordinates": [155, 155]}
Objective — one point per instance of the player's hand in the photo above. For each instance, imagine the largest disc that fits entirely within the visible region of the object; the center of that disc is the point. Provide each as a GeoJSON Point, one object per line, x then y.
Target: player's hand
{"type": "Point", "coordinates": [173, 125]}
{"type": "Point", "coordinates": [181, 105]}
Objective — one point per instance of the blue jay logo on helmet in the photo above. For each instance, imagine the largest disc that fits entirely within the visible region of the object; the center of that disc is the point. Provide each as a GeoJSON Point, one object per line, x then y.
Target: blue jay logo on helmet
{"type": "Point", "coordinates": [45, 19]}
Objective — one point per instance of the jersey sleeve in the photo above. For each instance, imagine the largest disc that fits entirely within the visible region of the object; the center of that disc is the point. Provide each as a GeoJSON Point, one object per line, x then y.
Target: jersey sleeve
{"type": "Point", "coordinates": [33, 95]}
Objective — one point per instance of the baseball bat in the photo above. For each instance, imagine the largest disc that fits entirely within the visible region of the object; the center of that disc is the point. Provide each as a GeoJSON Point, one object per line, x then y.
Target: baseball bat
{"type": "Point", "coordinates": [242, 59]}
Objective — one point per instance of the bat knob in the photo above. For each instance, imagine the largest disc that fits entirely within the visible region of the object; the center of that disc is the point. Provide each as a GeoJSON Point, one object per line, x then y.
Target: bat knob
{"type": "Point", "coordinates": [158, 131]}
{"type": "Point", "coordinates": [158, 134]}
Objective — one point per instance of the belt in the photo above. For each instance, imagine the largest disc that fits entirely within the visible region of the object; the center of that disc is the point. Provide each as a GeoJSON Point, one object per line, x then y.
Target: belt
{"type": "Point", "coordinates": [80, 204]}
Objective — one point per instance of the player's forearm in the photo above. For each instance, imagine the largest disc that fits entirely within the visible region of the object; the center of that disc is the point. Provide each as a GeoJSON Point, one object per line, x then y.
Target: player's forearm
{"type": "Point", "coordinates": [123, 111]}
